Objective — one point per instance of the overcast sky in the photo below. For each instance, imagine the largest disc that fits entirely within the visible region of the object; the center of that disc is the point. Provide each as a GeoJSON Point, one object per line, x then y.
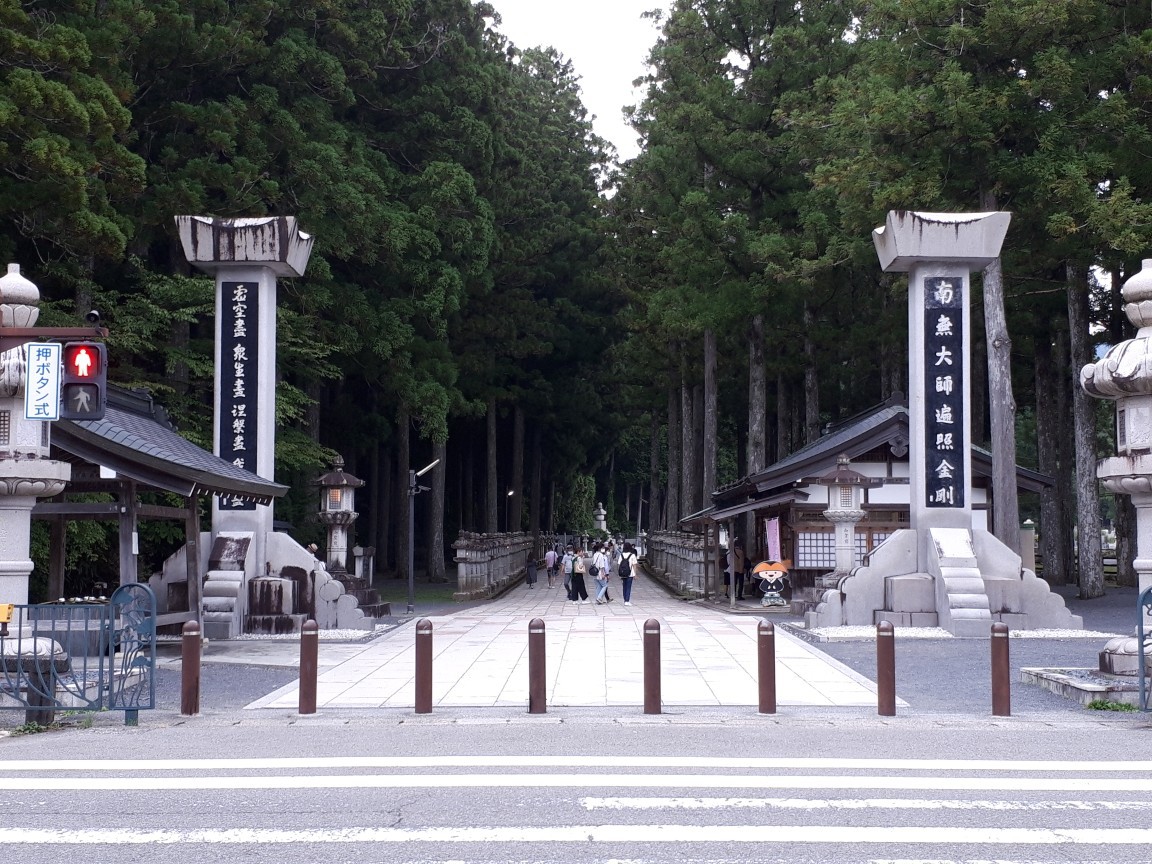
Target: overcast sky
{"type": "Point", "coordinates": [607, 42]}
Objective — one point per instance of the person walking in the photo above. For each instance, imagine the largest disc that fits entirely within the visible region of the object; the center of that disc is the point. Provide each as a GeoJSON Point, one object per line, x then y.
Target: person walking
{"type": "Point", "coordinates": [627, 571]}
{"type": "Point", "coordinates": [550, 565]}
{"type": "Point", "coordinates": [567, 565]}
{"type": "Point", "coordinates": [600, 563]}
{"type": "Point", "coordinates": [530, 571]}
{"type": "Point", "coordinates": [578, 592]}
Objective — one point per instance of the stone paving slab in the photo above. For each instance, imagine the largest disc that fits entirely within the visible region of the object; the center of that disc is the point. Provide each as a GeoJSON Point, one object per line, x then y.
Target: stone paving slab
{"type": "Point", "coordinates": [593, 657]}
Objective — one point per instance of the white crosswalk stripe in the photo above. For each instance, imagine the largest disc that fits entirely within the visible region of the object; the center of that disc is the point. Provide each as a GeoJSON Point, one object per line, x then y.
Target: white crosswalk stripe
{"type": "Point", "coordinates": [593, 808]}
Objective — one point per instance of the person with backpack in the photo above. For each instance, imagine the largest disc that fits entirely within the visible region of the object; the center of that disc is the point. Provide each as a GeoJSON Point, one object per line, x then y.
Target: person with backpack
{"type": "Point", "coordinates": [627, 571]}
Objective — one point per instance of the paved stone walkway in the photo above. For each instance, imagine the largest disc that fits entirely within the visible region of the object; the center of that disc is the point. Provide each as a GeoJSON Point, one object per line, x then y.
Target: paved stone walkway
{"type": "Point", "coordinates": [594, 657]}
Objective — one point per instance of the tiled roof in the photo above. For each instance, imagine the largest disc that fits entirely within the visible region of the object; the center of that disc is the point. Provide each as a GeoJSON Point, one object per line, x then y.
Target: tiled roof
{"type": "Point", "coordinates": [136, 439]}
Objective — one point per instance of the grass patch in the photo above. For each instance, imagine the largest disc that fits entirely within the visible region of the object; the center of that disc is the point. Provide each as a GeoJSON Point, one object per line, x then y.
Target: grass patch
{"type": "Point", "coordinates": [395, 591]}
{"type": "Point", "coordinates": [1109, 705]}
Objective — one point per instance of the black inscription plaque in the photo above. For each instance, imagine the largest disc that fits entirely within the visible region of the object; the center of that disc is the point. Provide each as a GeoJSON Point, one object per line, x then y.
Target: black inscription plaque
{"type": "Point", "coordinates": [945, 483]}
{"type": "Point", "coordinates": [239, 382]}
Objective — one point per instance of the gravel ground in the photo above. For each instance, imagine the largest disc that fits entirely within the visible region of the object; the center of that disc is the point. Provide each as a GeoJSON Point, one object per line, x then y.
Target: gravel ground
{"type": "Point", "coordinates": [954, 675]}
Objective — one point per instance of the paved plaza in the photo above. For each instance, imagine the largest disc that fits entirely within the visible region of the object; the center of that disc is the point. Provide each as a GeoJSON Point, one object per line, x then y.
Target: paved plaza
{"type": "Point", "coordinates": [594, 658]}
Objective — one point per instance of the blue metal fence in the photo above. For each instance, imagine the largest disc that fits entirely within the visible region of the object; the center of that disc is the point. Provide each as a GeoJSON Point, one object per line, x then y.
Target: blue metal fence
{"type": "Point", "coordinates": [81, 656]}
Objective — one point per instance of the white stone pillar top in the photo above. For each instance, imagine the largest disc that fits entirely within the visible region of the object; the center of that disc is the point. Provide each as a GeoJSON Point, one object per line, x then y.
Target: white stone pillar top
{"type": "Point", "coordinates": [274, 242]}
{"type": "Point", "coordinates": [910, 237]}
{"type": "Point", "coordinates": [19, 299]}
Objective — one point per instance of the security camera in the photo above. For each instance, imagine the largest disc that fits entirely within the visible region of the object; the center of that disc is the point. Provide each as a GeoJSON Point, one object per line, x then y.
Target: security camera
{"type": "Point", "coordinates": [93, 317]}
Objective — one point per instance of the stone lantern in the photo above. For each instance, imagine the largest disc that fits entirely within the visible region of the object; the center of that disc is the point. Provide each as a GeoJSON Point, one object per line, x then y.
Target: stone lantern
{"type": "Point", "coordinates": [1124, 375]}
{"type": "Point", "coordinates": [845, 509]}
{"type": "Point", "coordinates": [26, 472]}
{"type": "Point", "coordinates": [338, 511]}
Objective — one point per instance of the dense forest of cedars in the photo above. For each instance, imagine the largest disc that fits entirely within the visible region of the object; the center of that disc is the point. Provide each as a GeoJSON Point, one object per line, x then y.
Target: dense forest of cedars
{"type": "Point", "coordinates": [490, 287]}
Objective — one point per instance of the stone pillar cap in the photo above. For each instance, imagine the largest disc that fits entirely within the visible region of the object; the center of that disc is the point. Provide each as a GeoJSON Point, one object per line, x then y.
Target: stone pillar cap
{"type": "Point", "coordinates": [274, 242]}
{"type": "Point", "coordinates": [910, 237]}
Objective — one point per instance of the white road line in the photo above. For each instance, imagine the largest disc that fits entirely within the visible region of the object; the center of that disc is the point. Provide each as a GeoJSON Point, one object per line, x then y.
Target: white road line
{"type": "Point", "coordinates": [967, 861]}
{"type": "Point", "coordinates": [824, 835]}
{"type": "Point", "coordinates": [619, 803]}
{"type": "Point", "coordinates": [582, 781]}
{"type": "Point", "coordinates": [750, 763]}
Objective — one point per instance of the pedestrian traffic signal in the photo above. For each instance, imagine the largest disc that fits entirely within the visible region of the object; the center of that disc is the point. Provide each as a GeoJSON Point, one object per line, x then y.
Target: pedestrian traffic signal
{"type": "Point", "coordinates": [83, 392]}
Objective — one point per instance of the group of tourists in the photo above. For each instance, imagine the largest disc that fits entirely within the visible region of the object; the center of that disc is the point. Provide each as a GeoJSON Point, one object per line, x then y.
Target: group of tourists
{"type": "Point", "coordinates": [602, 562]}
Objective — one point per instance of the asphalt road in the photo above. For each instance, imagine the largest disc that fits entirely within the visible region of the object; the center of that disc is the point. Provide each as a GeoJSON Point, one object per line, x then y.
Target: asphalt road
{"type": "Point", "coordinates": [574, 787]}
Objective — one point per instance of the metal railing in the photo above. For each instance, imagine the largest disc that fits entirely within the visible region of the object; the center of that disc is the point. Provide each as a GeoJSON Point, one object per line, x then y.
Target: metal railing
{"type": "Point", "coordinates": [81, 656]}
{"type": "Point", "coordinates": [1143, 612]}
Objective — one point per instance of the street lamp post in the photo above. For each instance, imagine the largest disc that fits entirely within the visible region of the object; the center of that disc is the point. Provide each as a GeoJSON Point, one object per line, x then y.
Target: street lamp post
{"type": "Point", "coordinates": [508, 510]}
{"type": "Point", "coordinates": [413, 490]}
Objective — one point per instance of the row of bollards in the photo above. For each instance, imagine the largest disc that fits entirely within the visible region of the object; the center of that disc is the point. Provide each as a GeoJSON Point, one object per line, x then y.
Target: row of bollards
{"type": "Point", "coordinates": [537, 677]}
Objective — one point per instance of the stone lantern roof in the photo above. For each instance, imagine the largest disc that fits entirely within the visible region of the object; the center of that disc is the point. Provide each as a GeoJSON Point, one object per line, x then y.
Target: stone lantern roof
{"type": "Point", "coordinates": [1126, 370]}
{"type": "Point", "coordinates": [842, 475]}
{"type": "Point", "coordinates": [338, 477]}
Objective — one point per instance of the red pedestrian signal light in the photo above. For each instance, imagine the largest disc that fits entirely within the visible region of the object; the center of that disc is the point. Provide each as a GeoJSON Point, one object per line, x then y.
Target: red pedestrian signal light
{"type": "Point", "coordinates": [83, 392]}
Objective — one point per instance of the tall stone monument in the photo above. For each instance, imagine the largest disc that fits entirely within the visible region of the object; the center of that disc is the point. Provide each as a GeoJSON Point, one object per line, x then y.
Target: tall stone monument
{"type": "Point", "coordinates": [246, 256]}
{"type": "Point", "coordinates": [942, 570]}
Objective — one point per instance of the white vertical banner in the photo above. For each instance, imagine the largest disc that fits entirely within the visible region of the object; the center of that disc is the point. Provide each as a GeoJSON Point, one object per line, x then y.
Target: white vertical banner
{"type": "Point", "coordinates": [42, 383]}
{"type": "Point", "coordinates": [772, 538]}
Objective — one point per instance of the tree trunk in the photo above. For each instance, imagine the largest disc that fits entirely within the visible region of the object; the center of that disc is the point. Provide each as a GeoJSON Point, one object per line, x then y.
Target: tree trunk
{"type": "Point", "coordinates": [672, 501]}
{"type": "Point", "coordinates": [653, 479]}
{"type": "Point", "coordinates": [435, 532]}
{"type": "Point", "coordinates": [709, 436]}
{"type": "Point", "coordinates": [687, 449]}
{"type": "Point", "coordinates": [516, 511]}
{"type": "Point", "coordinates": [757, 417]}
{"type": "Point", "coordinates": [1066, 485]}
{"type": "Point", "coordinates": [468, 519]}
{"type": "Point", "coordinates": [811, 382]}
{"type": "Point", "coordinates": [697, 499]}
{"type": "Point", "coordinates": [386, 494]}
{"type": "Point", "coordinates": [1089, 552]}
{"type": "Point", "coordinates": [535, 504]}
{"type": "Point", "coordinates": [783, 418]}
{"type": "Point", "coordinates": [403, 499]}
{"type": "Point", "coordinates": [1048, 384]}
{"type": "Point", "coordinates": [491, 511]}
{"type": "Point", "coordinates": [1126, 542]}
{"type": "Point", "coordinates": [1001, 403]}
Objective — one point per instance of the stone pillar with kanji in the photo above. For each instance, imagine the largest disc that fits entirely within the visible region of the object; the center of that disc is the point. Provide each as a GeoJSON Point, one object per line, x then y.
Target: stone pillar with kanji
{"type": "Point", "coordinates": [246, 257]}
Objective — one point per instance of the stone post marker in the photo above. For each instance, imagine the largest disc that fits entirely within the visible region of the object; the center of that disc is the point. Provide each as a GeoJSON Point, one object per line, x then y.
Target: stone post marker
{"type": "Point", "coordinates": [246, 256]}
{"type": "Point", "coordinates": [938, 251]}
{"type": "Point", "coordinates": [1124, 375]}
{"type": "Point", "coordinates": [26, 472]}
{"type": "Point", "coordinates": [944, 570]}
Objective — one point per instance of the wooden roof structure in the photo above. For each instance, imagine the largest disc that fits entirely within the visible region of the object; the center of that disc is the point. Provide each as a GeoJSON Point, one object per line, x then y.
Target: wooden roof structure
{"type": "Point", "coordinates": [135, 449]}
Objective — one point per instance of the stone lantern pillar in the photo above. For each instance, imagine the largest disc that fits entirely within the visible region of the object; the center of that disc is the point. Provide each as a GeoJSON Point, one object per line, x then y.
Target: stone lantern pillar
{"type": "Point", "coordinates": [1124, 375]}
{"type": "Point", "coordinates": [845, 509]}
{"type": "Point", "coordinates": [26, 472]}
{"type": "Point", "coordinates": [338, 512]}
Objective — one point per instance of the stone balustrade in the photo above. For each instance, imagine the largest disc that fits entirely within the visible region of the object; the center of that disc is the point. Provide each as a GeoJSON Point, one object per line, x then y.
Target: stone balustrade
{"type": "Point", "coordinates": [676, 558]}
{"type": "Point", "coordinates": [488, 564]}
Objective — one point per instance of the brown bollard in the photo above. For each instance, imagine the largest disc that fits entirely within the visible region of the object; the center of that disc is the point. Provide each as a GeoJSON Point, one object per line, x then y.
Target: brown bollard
{"type": "Point", "coordinates": [651, 666]}
{"type": "Point", "coordinates": [190, 669]}
{"type": "Point", "coordinates": [537, 679]}
{"type": "Point", "coordinates": [309, 665]}
{"type": "Point", "coordinates": [1001, 672]}
{"type": "Point", "coordinates": [766, 656]}
{"type": "Point", "coordinates": [423, 666]}
{"type": "Point", "coordinates": [885, 669]}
